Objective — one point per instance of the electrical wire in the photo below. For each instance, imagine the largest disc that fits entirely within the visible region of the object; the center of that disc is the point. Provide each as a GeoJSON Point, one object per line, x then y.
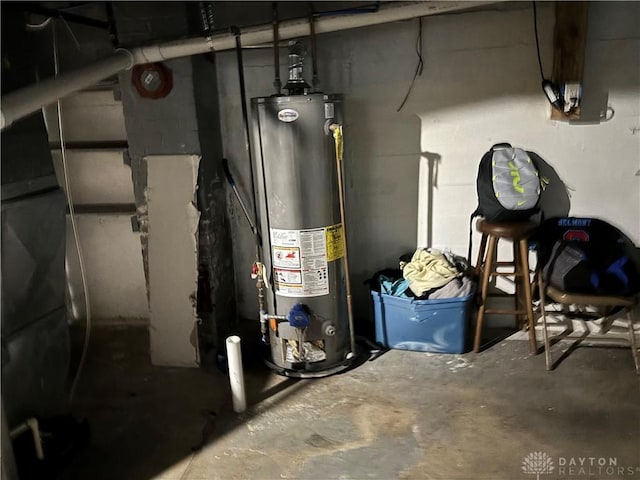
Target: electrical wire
{"type": "Point", "coordinates": [74, 227]}
{"type": "Point", "coordinates": [245, 124]}
{"type": "Point", "coordinates": [277, 83]}
{"type": "Point", "coordinates": [73, 35]}
{"type": "Point", "coordinates": [549, 89]}
{"type": "Point", "coordinates": [269, 280]}
{"type": "Point", "coordinates": [40, 26]}
{"type": "Point", "coordinates": [74, 7]}
{"type": "Point", "coordinates": [419, 66]}
{"type": "Point", "coordinates": [371, 8]}
{"type": "Point", "coordinates": [535, 29]}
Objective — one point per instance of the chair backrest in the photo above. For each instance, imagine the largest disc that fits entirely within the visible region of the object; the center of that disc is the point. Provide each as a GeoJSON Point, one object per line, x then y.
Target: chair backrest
{"type": "Point", "coordinates": [587, 255]}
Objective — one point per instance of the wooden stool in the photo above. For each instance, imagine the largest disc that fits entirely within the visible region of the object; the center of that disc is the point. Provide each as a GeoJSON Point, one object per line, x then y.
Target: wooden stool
{"type": "Point", "coordinates": [487, 267]}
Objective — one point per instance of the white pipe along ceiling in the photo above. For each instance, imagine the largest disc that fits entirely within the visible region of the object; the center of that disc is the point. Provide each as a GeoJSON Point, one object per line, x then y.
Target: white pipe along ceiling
{"type": "Point", "coordinates": [25, 101]}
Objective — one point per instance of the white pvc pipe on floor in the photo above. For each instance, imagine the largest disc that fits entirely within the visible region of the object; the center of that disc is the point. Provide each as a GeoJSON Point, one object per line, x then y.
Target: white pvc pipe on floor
{"type": "Point", "coordinates": [236, 374]}
{"type": "Point", "coordinates": [21, 103]}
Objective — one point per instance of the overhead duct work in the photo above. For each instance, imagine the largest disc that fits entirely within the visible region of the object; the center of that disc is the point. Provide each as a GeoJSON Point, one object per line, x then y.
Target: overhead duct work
{"type": "Point", "coordinates": [25, 101]}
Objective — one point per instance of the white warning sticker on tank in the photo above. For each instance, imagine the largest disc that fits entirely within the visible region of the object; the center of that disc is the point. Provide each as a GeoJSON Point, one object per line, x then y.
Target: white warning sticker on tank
{"type": "Point", "coordinates": [291, 278]}
{"type": "Point", "coordinates": [300, 262]}
{"type": "Point", "coordinates": [287, 257]}
{"type": "Point", "coordinates": [285, 238]}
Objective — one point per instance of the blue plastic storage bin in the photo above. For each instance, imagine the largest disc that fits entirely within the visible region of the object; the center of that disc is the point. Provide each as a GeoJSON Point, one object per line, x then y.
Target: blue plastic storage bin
{"type": "Point", "coordinates": [437, 326]}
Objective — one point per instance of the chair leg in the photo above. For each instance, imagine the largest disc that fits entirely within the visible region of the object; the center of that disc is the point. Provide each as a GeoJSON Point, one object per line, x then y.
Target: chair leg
{"type": "Point", "coordinates": [524, 265]}
{"type": "Point", "coordinates": [545, 332]}
{"type": "Point", "coordinates": [486, 273]}
{"type": "Point", "coordinates": [519, 301]}
{"type": "Point", "coordinates": [632, 340]}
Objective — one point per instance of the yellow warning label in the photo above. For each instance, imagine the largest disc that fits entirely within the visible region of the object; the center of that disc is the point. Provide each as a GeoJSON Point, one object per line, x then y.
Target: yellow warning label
{"type": "Point", "coordinates": [335, 242]}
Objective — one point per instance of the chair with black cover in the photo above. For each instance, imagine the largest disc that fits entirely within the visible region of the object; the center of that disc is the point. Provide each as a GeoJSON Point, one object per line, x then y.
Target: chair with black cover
{"type": "Point", "coordinates": [592, 271]}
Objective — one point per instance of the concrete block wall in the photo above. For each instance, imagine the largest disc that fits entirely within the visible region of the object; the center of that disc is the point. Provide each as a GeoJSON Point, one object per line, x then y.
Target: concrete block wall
{"type": "Point", "coordinates": [96, 176]}
{"type": "Point", "coordinates": [113, 264]}
{"type": "Point", "coordinates": [99, 176]}
{"type": "Point", "coordinates": [480, 85]}
{"type": "Point", "coordinates": [102, 192]}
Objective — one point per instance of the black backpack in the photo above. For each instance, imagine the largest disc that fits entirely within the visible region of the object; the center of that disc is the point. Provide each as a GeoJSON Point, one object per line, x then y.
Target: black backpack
{"type": "Point", "coordinates": [588, 256]}
{"type": "Point", "coordinates": [508, 186]}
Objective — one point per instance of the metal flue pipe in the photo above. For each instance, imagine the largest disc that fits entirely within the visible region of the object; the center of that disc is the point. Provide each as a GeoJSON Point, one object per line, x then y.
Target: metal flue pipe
{"type": "Point", "coordinates": [20, 103]}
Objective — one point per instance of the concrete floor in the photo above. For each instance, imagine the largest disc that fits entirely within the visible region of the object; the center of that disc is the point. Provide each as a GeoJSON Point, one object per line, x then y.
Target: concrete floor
{"type": "Point", "coordinates": [404, 415]}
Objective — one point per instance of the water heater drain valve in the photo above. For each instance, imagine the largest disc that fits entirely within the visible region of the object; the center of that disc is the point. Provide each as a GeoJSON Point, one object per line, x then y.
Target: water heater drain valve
{"type": "Point", "coordinates": [330, 330]}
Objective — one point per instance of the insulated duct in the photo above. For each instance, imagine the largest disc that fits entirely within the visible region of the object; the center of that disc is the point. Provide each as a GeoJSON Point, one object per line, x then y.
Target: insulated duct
{"type": "Point", "coordinates": [25, 101]}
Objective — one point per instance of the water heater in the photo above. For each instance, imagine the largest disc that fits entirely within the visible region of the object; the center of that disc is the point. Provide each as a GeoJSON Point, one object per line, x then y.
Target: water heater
{"type": "Point", "coordinates": [304, 313]}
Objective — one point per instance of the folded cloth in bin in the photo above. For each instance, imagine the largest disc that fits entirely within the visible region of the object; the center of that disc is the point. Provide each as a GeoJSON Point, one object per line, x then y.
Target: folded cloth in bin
{"type": "Point", "coordinates": [428, 269]}
{"type": "Point", "coordinates": [458, 287]}
{"type": "Point", "coordinates": [394, 287]}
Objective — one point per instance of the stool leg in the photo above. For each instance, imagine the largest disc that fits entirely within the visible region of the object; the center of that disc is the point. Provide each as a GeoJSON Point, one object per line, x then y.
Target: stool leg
{"type": "Point", "coordinates": [522, 281]}
{"type": "Point", "coordinates": [524, 264]}
{"type": "Point", "coordinates": [487, 269]}
{"type": "Point", "coordinates": [483, 245]}
{"type": "Point", "coordinates": [518, 282]}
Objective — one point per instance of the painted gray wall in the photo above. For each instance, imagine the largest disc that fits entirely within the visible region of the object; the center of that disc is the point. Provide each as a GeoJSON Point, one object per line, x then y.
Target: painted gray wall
{"type": "Point", "coordinates": [480, 85]}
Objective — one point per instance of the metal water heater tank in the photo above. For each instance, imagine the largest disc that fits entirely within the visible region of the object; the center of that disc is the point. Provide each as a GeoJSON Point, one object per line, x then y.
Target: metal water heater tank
{"type": "Point", "coordinates": [302, 234]}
